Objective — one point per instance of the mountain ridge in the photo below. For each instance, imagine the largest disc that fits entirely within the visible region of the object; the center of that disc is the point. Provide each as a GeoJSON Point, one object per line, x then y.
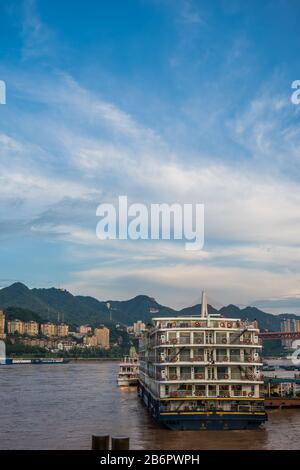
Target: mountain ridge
{"type": "Point", "coordinates": [52, 303]}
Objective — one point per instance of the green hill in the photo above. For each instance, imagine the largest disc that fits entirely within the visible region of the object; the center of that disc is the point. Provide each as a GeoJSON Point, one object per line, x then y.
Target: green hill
{"type": "Point", "coordinates": [52, 303]}
{"type": "Point", "coordinates": [12, 313]}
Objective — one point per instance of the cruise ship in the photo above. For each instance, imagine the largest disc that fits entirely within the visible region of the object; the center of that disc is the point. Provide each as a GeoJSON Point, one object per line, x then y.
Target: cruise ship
{"type": "Point", "coordinates": [202, 372]}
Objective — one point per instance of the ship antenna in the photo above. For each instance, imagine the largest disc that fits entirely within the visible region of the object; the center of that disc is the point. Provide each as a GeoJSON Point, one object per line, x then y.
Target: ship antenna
{"type": "Point", "coordinates": [204, 310]}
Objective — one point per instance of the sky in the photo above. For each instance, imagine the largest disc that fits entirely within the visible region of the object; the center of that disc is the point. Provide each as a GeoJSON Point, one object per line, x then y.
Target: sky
{"type": "Point", "coordinates": [165, 101]}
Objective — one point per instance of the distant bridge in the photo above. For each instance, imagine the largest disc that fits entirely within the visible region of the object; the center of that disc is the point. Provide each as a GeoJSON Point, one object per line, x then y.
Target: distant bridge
{"type": "Point", "coordinates": [279, 335]}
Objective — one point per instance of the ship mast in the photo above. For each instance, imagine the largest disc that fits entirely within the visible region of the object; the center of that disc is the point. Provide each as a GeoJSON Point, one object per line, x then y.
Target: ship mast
{"type": "Point", "coordinates": [204, 309]}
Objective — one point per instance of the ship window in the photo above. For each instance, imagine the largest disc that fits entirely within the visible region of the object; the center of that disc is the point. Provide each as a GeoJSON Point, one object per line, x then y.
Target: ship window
{"type": "Point", "coordinates": [172, 335]}
{"type": "Point", "coordinates": [185, 387]}
{"type": "Point", "coordinates": [221, 354]}
{"type": "Point", "coordinates": [235, 355]}
{"type": "Point", "coordinates": [212, 390]}
{"type": "Point", "coordinates": [185, 338]}
{"type": "Point", "coordinates": [185, 355]}
{"type": "Point", "coordinates": [221, 338]}
{"type": "Point", "coordinates": [200, 390]}
{"type": "Point", "coordinates": [235, 373]}
{"type": "Point", "coordinates": [185, 373]}
{"type": "Point", "coordinates": [198, 338]}
{"type": "Point", "coordinates": [199, 354]}
{"type": "Point", "coordinates": [222, 373]}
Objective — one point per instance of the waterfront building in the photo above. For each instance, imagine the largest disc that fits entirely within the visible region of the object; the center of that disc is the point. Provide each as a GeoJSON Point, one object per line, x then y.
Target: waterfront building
{"type": "Point", "coordinates": [62, 330]}
{"type": "Point", "coordinates": [31, 328]}
{"type": "Point", "coordinates": [202, 372]}
{"type": "Point", "coordinates": [289, 325]}
{"type": "Point", "coordinates": [48, 329]}
{"type": "Point", "coordinates": [102, 335]}
{"type": "Point", "coordinates": [2, 325]}
{"type": "Point", "coordinates": [84, 329]}
{"type": "Point", "coordinates": [15, 327]}
{"type": "Point", "coordinates": [66, 345]}
{"type": "Point", "coordinates": [90, 341]}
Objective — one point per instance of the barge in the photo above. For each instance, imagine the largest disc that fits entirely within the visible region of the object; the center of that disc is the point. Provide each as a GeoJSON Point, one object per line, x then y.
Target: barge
{"type": "Point", "coordinates": [54, 360]}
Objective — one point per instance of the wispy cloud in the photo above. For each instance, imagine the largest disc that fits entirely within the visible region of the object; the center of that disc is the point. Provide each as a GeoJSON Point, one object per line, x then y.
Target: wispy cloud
{"type": "Point", "coordinates": [66, 146]}
{"type": "Point", "coordinates": [37, 37]}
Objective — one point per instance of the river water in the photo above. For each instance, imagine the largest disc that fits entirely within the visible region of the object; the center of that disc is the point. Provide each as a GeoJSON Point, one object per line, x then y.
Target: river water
{"type": "Point", "coordinates": [61, 406]}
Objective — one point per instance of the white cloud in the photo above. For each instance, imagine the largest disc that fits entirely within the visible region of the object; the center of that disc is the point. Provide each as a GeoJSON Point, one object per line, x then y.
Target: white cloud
{"type": "Point", "coordinates": [95, 149]}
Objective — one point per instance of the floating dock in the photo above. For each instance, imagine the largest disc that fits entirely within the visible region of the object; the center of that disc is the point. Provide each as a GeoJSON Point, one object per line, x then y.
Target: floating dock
{"type": "Point", "coordinates": [282, 392]}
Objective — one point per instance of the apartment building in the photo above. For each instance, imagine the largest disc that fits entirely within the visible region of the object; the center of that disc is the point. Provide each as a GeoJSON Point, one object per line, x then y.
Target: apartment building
{"type": "Point", "coordinates": [2, 325]}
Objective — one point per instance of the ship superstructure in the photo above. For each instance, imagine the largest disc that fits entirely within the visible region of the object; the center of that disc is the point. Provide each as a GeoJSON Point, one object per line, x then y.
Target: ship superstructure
{"type": "Point", "coordinates": [202, 372]}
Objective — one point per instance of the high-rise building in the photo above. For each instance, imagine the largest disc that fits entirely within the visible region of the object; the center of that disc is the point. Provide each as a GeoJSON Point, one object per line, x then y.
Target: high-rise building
{"type": "Point", "coordinates": [31, 328]}
{"type": "Point", "coordinates": [2, 325]}
{"type": "Point", "coordinates": [102, 335]}
{"type": "Point", "coordinates": [48, 329]}
{"type": "Point", "coordinates": [62, 330]}
{"type": "Point", "coordinates": [15, 327]}
{"type": "Point", "coordinates": [289, 325]}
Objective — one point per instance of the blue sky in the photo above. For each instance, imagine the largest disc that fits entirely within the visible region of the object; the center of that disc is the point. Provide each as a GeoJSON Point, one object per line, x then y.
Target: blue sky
{"type": "Point", "coordinates": [164, 101]}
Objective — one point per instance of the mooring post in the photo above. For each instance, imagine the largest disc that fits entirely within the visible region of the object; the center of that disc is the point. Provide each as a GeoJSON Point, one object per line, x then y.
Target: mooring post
{"type": "Point", "coordinates": [100, 442]}
{"type": "Point", "coordinates": [120, 443]}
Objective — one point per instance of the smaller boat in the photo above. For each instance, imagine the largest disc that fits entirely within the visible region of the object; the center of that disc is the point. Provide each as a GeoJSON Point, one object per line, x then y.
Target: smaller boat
{"type": "Point", "coordinates": [129, 370]}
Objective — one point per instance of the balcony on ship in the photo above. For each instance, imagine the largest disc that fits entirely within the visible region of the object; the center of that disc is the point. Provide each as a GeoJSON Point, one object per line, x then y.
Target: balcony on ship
{"type": "Point", "coordinates": [212, 405]}
{"type": "Point", "coordinates": [210, 390]}
{"type": "Point", "coordinates": [216, 323]}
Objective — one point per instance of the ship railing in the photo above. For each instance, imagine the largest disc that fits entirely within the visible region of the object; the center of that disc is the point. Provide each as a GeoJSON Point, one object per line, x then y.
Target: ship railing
{"type": "Point", "coordinates": [222, 376]}
{"type": "Point", "coordinates": [224, 394]}
{"type": "Point", "coordinates": [198, 359]}
{"type": "Point", "coordinates": [199, 376]}
{"type": "Point", "coordinates": [222, 358]}
{"type": "Point", "coordinates": [185, 376]}
{"type": "Point", "coordinates": [252, 359]}
{"type": "Point", "coordinates": [184, 341]}
{"type": "Point", "coordinates": [180, 393]}
{"type": "Point", "coordinates": [212, 394]}
{"type": "Point", "coordinates": [209, 407]}
{"type": "Point", "coordinates": [235, 376]}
